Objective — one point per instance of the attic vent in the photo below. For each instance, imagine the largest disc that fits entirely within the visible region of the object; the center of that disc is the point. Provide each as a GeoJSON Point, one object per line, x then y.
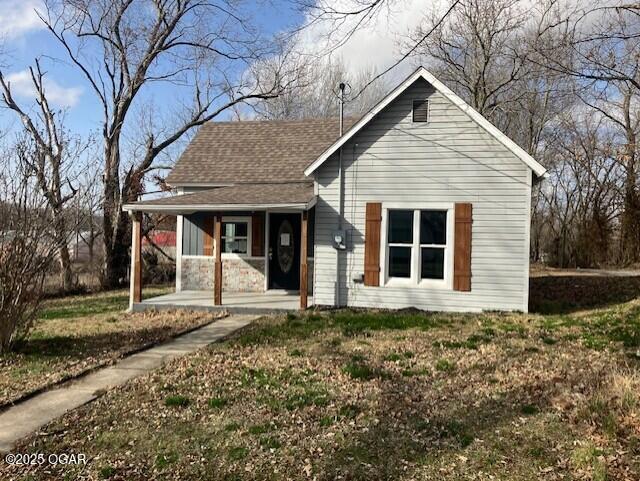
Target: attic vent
{"type": "Point", "coordinates": [420, 110]}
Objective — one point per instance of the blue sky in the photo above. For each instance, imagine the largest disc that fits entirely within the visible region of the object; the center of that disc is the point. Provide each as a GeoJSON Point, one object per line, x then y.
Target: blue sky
{"type": "Point", "coordinates": [25, 38]}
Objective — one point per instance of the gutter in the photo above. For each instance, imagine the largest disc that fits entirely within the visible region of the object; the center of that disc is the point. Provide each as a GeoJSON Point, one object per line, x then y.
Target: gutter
{"type": "Point", "coordinates": [187, 208]}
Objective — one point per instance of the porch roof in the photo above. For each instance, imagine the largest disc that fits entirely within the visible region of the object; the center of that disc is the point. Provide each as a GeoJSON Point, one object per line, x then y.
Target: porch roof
{"type": "Point", "coordinates": [260, 196]}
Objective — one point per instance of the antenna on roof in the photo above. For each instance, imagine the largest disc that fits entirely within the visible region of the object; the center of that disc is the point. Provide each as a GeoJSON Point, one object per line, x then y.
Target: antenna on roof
{"type": "Point", "coordinates": [342, 87]}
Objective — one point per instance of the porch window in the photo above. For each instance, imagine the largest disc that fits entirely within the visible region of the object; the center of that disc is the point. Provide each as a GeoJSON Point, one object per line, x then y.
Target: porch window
{"type": "Point", "coordinates": [198, 232]}
{"type": "Point", "coordinates": [235, 237]}
{"type": "Point", "coordinates": [418, 247]}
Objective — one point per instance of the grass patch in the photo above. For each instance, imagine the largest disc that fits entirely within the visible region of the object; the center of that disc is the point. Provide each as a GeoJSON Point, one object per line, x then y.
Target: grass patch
{"type": "Point", "coordinates": [107, 472]}
{"type": "Point", "coordinates": [360, 371]}
{"type": "Point", "coordinates": [350, 323]}
{"type": "Point", "coordinates": [261, 428]}
{"type": "Point", "coordinates": [309, 396]}
{"type": "Point", "coordinates": [460, 432]}
{"type": "Point", "coordinates": [591, 458]}
{"type": "Point", "coordinates": [238, 453]}
{"type": "Point", "coordinates": [217, 402]}
{"type": "Point", "coordinates": [231, 427]}
{"type": "Point", "coordinates": [258, 378]}
{"type": "Point", "coordinates": [445, 365]}
{"type": "Point", "coordinates": [164, 460]}
{"type": "Point", "coordinates": [270, 442]}
{"type": "Point", "coordinates": [398, 356]}
{"type": "Point", "coordinates": [529, 409]}
{"type": "Point", "coordinates": [415, 372]}
{"type": "Point", "coordinates": [177, 401]}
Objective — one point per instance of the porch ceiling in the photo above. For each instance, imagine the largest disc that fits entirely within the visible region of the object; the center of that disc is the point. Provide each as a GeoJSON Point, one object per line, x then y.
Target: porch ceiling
{"type": "Point", "coordinates": [291, 196]}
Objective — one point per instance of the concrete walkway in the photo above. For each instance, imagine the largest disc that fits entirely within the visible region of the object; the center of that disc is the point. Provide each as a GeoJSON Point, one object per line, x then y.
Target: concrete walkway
{"type": "Point", "coordinates": [30, 415]}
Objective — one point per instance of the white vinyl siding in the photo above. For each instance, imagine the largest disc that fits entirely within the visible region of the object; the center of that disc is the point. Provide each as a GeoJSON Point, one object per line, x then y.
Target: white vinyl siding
{"type": "Point", "coordinates": [446, 160]}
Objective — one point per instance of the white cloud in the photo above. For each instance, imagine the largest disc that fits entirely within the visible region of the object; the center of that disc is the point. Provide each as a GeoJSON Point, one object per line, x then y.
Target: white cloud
{"type": "Point", "coordinates": [57, 95]}
{"type": "Point", "coordinates": [379, 43]}
{"type": "Point", "coordinates": [376, 45]}
{"type": "Point", "coordinates": [18, 17]}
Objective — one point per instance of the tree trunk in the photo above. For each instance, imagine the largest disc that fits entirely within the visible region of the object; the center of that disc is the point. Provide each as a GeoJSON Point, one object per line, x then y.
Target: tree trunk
{"type": "Point", "coordinates": [630, 234]}
{"type": "Point", "coordinates": [66, 272]}
{"type": "Point", "coordinates": [631, 221]}
{"type": "Point", "coordinates": [64, 258]}
{"type": "Point", "coordinates": [115, 244]}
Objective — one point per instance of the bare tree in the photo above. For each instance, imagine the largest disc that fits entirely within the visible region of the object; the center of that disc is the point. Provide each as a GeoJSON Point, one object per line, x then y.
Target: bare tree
{"type": "Point", "coordinates": [52, 159]}
{"type": "Point", "coordinates": [602, 51]}
{"type": "Point", "coordinates": [189, 43]}
{"type": "Point", "coordinates": [581, 199]}
{"type": "Point", "coordinates": [88, 207]}
{"type": "Point", "coordinates": [478, 51]}
{"type": "Point", "coordinates": [315, 93]}
{"type": "Point", "coordinates": [28, 243]}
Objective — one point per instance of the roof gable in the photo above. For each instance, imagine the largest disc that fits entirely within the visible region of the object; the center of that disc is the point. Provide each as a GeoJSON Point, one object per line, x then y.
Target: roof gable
{"type": "Point", "coordinates": [423, 73]}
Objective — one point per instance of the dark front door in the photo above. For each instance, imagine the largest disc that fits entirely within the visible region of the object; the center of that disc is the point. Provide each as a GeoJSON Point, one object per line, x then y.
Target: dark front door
{"type": "Point", "coordinates": [284, 251]}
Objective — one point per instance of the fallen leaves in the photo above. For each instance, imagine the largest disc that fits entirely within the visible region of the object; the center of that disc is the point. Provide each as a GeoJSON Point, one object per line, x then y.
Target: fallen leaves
{"type": "Point", "coordinates": [512, 408]}
{"type": "Point", "coordinates": [60, 349]}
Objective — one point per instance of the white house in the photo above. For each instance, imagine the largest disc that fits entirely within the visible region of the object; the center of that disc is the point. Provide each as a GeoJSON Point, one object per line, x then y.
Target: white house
{"type": "Point", "coordinates": [420, 203]}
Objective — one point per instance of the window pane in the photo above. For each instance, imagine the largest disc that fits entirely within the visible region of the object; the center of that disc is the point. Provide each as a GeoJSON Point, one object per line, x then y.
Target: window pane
{"type": "Point", "coordinates": [433, 227]}
{"type": "Point", "coordinates": [432, 263]}
{"type": "Point", "coordinates": [399, 261]}
{"type": "Point", "coordinates": [234, 229]}
{"type": "Point", "coordinates": [237, 246]}
{"type": "Point", "coordinates": [400, 227]}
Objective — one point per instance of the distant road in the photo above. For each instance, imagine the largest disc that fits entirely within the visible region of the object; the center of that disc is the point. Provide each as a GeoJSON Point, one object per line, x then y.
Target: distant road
{"type": "Point", "coordinates": [542, 272]}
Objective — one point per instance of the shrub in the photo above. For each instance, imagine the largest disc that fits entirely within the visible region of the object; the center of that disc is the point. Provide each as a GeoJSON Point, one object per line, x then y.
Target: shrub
{"type": "Point", "coordinates": [28, 247]}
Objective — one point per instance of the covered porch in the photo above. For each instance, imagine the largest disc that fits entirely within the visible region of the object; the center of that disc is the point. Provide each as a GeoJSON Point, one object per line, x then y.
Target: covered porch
{"type": "Point", "coordinates": [248, 302]}
{"type": "Point", "coordinates": [242, 248]}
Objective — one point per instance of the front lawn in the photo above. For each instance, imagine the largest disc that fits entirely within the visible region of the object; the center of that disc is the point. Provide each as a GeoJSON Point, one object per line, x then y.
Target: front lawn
{"type": "Point", "coordinates": [77, 333]}
{"type": "Point", "coordinates": [355, 395]}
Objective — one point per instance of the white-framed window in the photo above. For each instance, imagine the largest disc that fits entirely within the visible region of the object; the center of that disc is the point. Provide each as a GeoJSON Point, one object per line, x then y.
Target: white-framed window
{"type": "Point", "coordinates": [236, 236]}
{"type": "Point", "coordinates": [418, 245]}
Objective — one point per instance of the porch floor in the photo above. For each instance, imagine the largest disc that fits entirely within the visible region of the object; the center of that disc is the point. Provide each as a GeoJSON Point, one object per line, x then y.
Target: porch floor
{"type": "Point", "coordinates": [247, 302]}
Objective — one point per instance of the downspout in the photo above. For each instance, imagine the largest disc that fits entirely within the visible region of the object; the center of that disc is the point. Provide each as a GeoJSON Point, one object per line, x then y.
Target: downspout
{"type": "Point", "coordinates": [340, 194]}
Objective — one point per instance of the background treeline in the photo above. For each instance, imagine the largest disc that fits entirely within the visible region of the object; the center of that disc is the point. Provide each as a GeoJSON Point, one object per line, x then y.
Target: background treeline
{"type": "Point", "coordinates": [560, 78]}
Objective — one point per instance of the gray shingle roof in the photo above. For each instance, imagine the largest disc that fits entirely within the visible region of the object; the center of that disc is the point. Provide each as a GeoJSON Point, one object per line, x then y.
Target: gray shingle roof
{"type": "Point", "coordinates": [249, 195]}
{"type": "Point", "coordinates": [254, 151]}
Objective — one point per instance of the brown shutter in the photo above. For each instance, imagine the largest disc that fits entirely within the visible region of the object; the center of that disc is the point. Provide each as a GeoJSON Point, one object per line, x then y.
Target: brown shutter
{"type": "Point", "coordinates": [257, 234]}
{"type": "Point", "coordinates": [372, 244]}
{"type": "Point", "coordinates": [207, 236]}
{"type": "Point", "coordinates": [462, 248]}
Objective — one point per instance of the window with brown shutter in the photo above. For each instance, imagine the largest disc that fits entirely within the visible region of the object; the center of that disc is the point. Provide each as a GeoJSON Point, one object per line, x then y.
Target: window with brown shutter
{"type": "Point", "coordinates": [418, 249]}
{"type": "Point", "coordinates": [372, 244]}
{"type": "Point", "coordinates": [462, 247]}
{"type": "Point", "coordinates": [257, 234]}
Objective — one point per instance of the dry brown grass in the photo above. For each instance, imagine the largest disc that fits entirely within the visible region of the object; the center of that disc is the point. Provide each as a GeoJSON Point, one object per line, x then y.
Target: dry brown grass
{"type": "Point", "coordinates": [79, 333]}
{"type": "Point", "coordinates": [375, 396]}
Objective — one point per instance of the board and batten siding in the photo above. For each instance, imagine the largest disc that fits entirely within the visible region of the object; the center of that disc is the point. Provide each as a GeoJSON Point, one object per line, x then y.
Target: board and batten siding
{"type": "Point", "coordinates": [446, 160]}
